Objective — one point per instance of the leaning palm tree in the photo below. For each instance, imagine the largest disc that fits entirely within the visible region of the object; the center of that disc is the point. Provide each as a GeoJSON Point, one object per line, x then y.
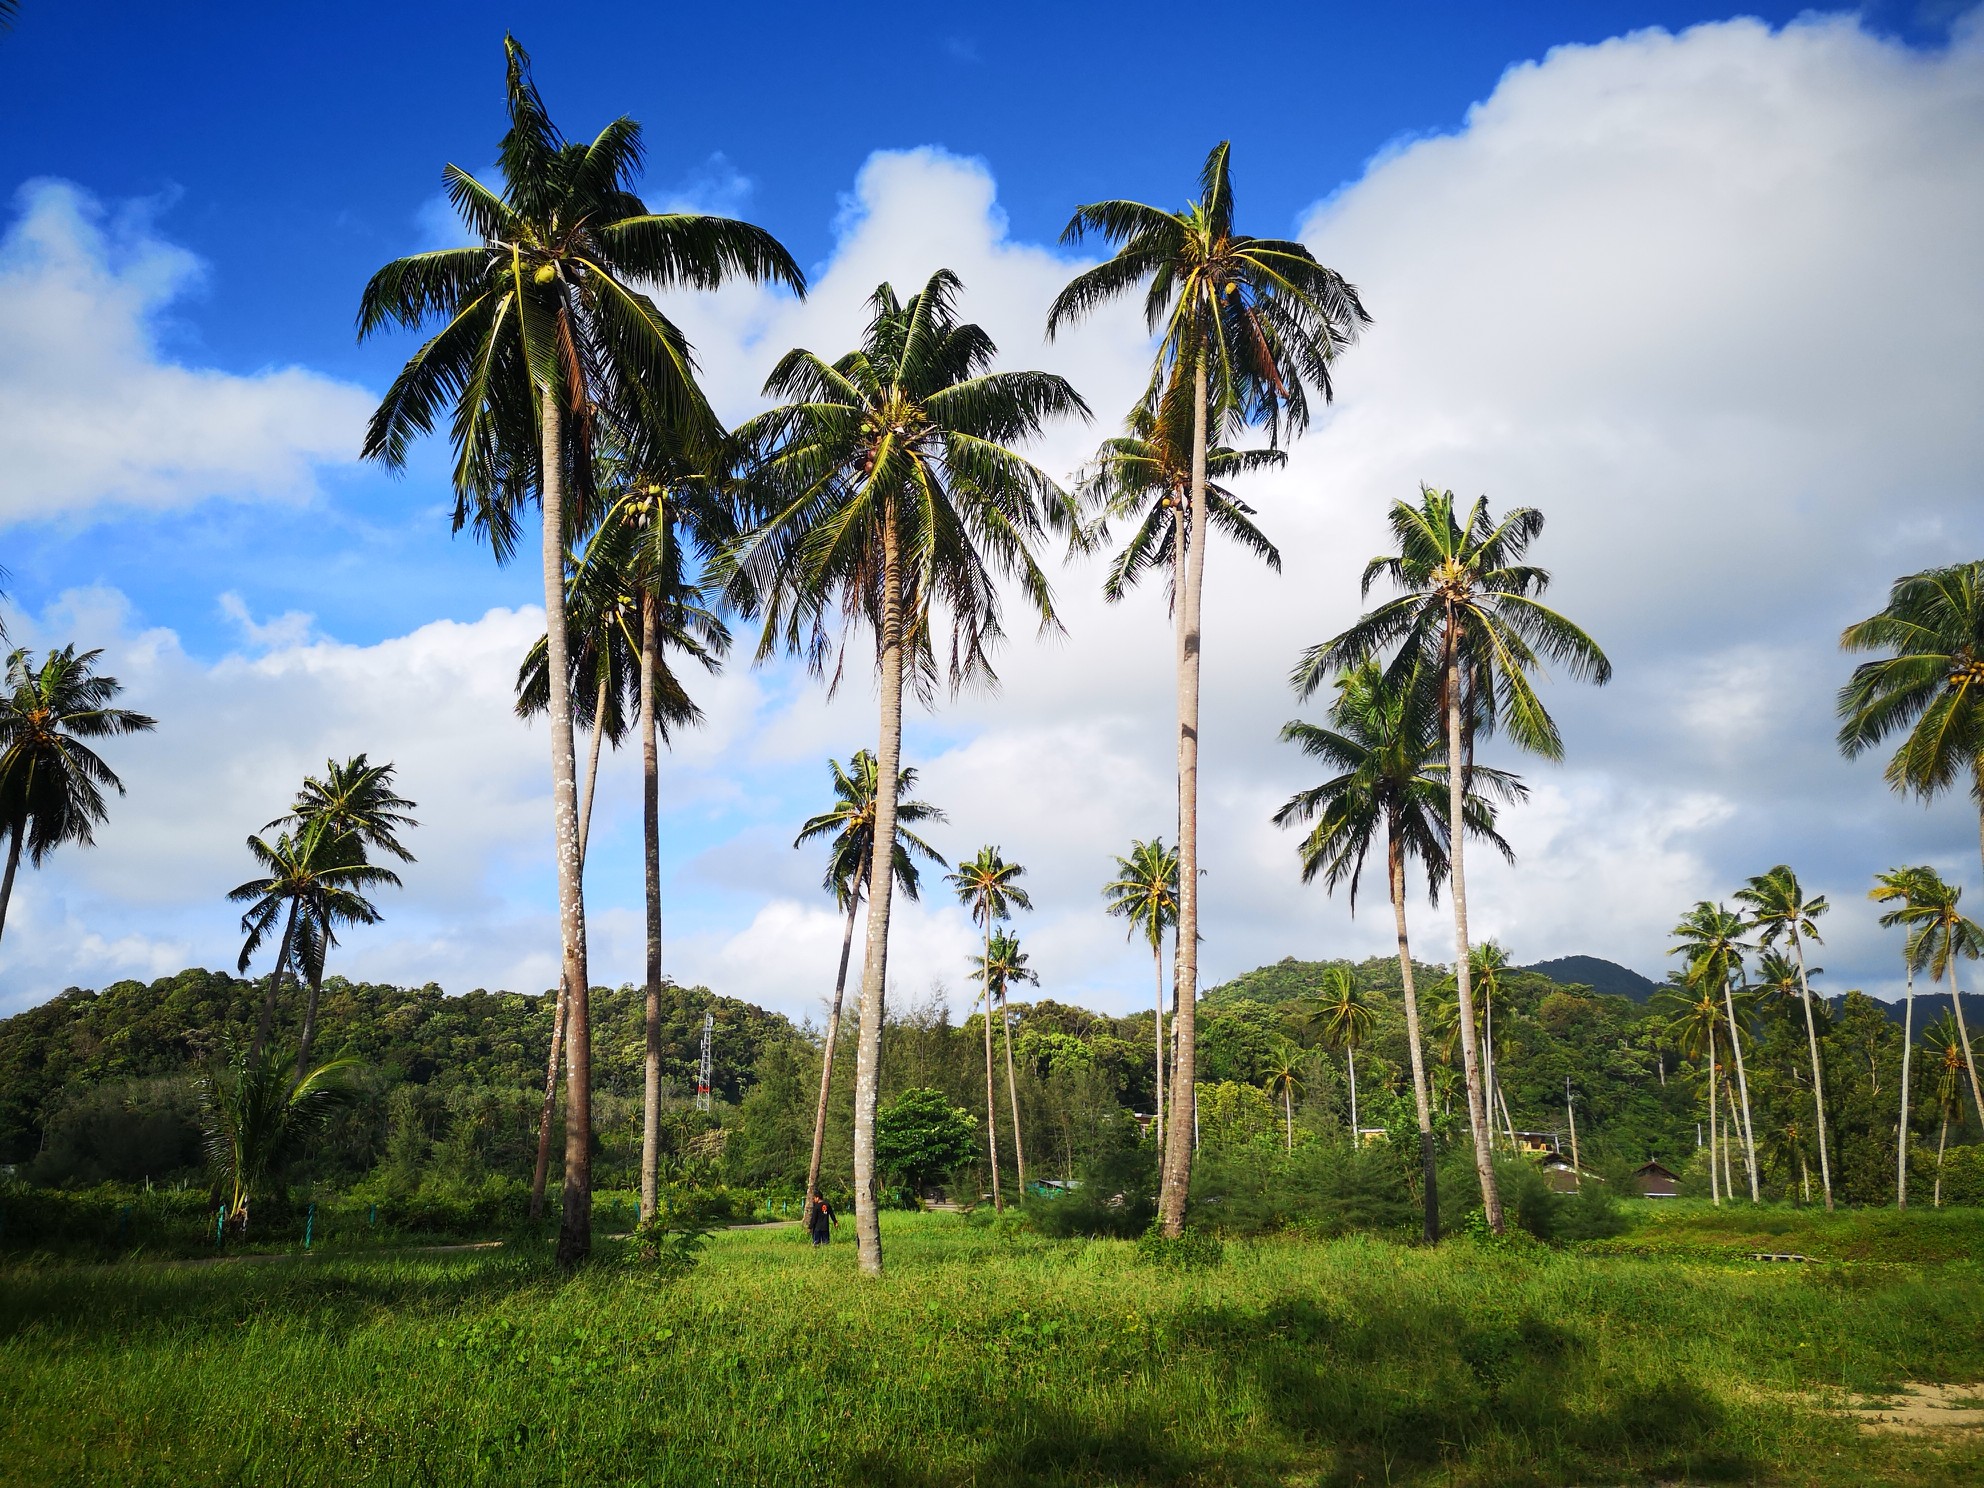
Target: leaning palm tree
{"type": "Point", "coordinates": [848, 827]}
{"type": "Point", "coordinates": [1284, 1072]}
{"type": "Point", "coordinates": [1779, 909]}
{"type": "Point", "coordinates": [890, 493]}
{"type": "Point", "coordinates": [1949, 1054]}
{"type": "Point", "coordinates": [1941, 935]}
{"type": "Point", "coordinates": [1145, 893]}
{"type": "Point", "coordinates": [1472, 614]}
{"type": "Point", "coordinates": [51, 782]}
{"type": "Point", "coordinates": [1902, 887]}
{"type": "Point", "coordinates": [547, 328]}
{"type": "Point", "coordinates": [1342, 1014]}
{"type": "Point", "coordinates": [1383, 740]}
{"type": "Point", "coordinates": [1004, 964]}
{"type": "Point", "coordinates": [1247, 327]}
{"type": "Point", "coordinates": [1711, 937]}
{"type": "Point", "coordinates": [356, 798]}
{"type": "Point", "coordinates": [988, 887]}
{"type": "Point", "coordinates": [255, 1113]}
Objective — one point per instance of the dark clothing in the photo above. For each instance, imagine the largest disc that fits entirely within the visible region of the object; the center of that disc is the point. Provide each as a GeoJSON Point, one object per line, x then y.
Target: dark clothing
{"type": "Point", "coordinates": [819, 1215]}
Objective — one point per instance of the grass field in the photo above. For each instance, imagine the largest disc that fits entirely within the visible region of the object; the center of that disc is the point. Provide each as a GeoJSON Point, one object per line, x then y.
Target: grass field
{"type": "Point", "coordinates": [983, 1358]}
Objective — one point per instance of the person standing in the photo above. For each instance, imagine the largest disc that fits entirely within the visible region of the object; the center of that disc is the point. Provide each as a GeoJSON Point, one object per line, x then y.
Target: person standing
{"type": "Point", "coordinates": [819, 1216]}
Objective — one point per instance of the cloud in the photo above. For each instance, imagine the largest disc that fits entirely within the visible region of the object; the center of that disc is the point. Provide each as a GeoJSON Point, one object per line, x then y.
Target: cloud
{"type": "Point", "coordinates": [97, 412]}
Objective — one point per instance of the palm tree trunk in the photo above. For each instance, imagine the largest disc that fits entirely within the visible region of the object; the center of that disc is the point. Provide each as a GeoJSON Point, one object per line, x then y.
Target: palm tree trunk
{"type": "Point", "coordinates": [1743, 1084]}
{"type": "Point", "coordinates": [1729, 1140]}
{"type": "Point", "coordinates": [1350, 1054]}
{"type": "Point", "coordinates": [1714, 1179]}
{"type": "Point", "coordinates": [1422, 1103]}
{"type": "Point", "coordinates": [833, 1042]}
{"type": "Point", "coordinates": [651, 853]}
{"type": "Point", "coordinates": [1157, 961]}
{"type": "Point", "coordinates": [310, 1018]}
{"type": "Point", "coordinates": [1477, 1112]}
{"type": "Point", "coordinates": [575, 1226]}
{"type": "Point", "coordinates": [543, 1164]}
{"type": "Point", "coordinates": [13, 864]}
{"type": "Point", "coordinates": [1288, 1112]}
{"type": "Point", "coordinates": [1488, 1058]}
{"type": "Point", "coordinates": [1818, 1077]}
{"type": "Point", "coordinates": [1941, 1142]}
{"type": "Point", "coordinates": [1184, 1070]}
{"type": "Point", "coordinates": [267, 1019]}
{"type": "Point", "coordinates": [1508, 1123]}
{"type": "Point", "coordinates": [881, 881]}
{"type": "Point", "coordinates": [1963, 1036]}
{"type": "Point", "coordinates": [991, 1106]}
{"type": "Point", "coordinates": [1012, 1092]}
{"type": "Point", "coordinates": [1901, 1136]}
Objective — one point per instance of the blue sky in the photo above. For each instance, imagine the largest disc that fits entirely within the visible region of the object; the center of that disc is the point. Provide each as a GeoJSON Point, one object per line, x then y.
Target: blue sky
{"type": "Point", "coordinates": [220, 183]}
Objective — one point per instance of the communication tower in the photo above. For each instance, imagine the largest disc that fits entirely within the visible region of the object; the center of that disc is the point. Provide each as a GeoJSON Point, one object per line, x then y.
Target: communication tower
{"type": "Point", "coordinates": [705, 1073]}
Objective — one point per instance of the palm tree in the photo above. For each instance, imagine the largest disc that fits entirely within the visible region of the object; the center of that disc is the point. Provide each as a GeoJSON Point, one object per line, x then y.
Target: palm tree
{"type": "Point", "coordinates": [890, 491]}
{"type": "Point", "coordinates": [1284, 1073]}
{"type": "Point", "coordinates": [1942, 933]}
{"type": "Point", "coordinates": [1246, 328]}
{"type": "Point", "coordinates": [1711, 937]}
{"type": "Point", "coordinates": [1486, 963]}
{"type": "Point", "coordinates": [1472, 611]}
{"type": "Point", "coordinates": [1949, 1050]}
{"type": "Point", "coordinates": [543, 335]}
{"type": "Point", "coordinates": [1003, 964]}
{"type": "Point", "coordinates": [51, 782]}
{"type": "Point", "coordinates": [1383, 739]}
{"type": "Point", "coordinates": [312, 882]}
{"type": "Point", "coordinates": [255, 1114]}
{"type": "Point", "coordinates": [1692, 1019]}
{"type": "Point", "coordinates": [849, 829]}
{"type": "Point", "coordinates": [1145, 893]}
{"type": "Point", "coordinates": [988, 887]}
{"type": "Point", "coordinates": [1930, 685]}
{"type": "Point", "coordinates": [1779, 909]}
{"type": "Point", "coordinates": [1902, 887]}
{"type": "Point", "coordinates": [1343, 1016]}
{"type": "Point", "coordinates": [355, 799]}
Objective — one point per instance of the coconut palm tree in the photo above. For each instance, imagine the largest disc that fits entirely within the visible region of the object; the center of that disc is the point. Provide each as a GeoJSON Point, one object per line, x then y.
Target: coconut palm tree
{"type": "Point", "coordinates": [1929, 688]}
{"type": "Point", "coordinates": [547, 330]}
{"type": "Point", "coordinates": [988, 887]}
{"type": "Point", "coordinates": [1145, 893]}
{"type": "Point", "coordinates": [1902, 887]}
{"type": "Point", "coordinates": [1383, 740]}
{"type": "Point", "coordinates": [1343, 1015]}
{"type": "Point", "coordinates": [1486, 963]}
{"type": "Point", "coordinates": [1781, 912]}
{"type": "Point", "coordinates": [1003, 964]}
{"type": "Point", "coordinates": [255, 1113]}
{"type": "Point", "coordinates": [1284, 1072]}
{"type": "Point", "coordinates": [1711, 937]}
{"type": "Point", "coordinates": [848, 828]}
{"type": "Point", "coordinates": [356, 798]}
{"type": "Point", "coordinates": [1471, 613]}
{"type": "Point", "coordinates": [52, 784]}
{"type": "Point", "coordinates": [1949, 1055]}
{"type": "Point", "coordinates": [1941, 933]}
{"type": "Point", "coordinates": [1692, 1019]}
{"type": "Point", "coordinates": [889, 493]}
{"type": "Point", "coordinates": [1247, 328]}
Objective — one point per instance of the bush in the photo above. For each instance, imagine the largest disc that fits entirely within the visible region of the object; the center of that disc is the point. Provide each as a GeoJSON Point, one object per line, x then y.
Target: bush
{"type": "Point", "coordinates": [1322, 1188]}
{"type": "Point", "coordinates": [1115, 1195]}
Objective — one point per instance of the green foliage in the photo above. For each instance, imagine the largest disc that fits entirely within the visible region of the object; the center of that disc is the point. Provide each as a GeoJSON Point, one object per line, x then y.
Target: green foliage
{"type": "Point", "coordinates": [1194, 1250]}
{"type": "Point", "coordinates": [668, 1245]}
{"type": "Point", "coordinates": [921, 1138]}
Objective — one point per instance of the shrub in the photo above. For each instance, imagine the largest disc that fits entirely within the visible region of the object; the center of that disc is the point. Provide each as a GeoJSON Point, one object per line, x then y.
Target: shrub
{"type": "Point", "coordinates": [1194, 1250]}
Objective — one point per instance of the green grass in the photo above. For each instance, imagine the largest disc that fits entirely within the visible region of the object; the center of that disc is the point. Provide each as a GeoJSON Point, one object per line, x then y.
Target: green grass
{"type": "Point", "coordinates": [988, 1359]}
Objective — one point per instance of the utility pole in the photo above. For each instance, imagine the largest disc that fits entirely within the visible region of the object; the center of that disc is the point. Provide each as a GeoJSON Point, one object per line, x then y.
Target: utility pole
{"type": "Point", "coordinates": [706, 1071]}
{"type": "Point", "coordinates": [1573, 1117]}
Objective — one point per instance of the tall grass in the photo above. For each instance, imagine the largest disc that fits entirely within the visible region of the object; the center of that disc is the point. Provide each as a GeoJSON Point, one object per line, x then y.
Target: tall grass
{"type": "Point", "coordinates": [984, 1357]}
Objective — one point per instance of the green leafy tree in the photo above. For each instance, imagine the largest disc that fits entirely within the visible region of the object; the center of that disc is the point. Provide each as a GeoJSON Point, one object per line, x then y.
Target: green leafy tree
{"type": "Point", "coordinates": [1472, 613]}
{"type": "Point", "coordinates": [921, 1138]}
{"type": "Point", "coordinates": [988, 887]}
{"type": "Point", "coordinates": [1711, 938]}
{"type": "Point", "coordinates": [255, 1113]}
{"type": "Point", "coordinates": [52, 783]}
{"type": "Point", "coordinates": [547, 329]}
{"type": "Point", "coordinates": [1247, 327]}
{"type": "Point", "coordinates": [1902, 887]}
{"type": "Point", "coordinates": [1145, 893]}
{"type": "Point", "coordinates": [1779, 909]}
{"type": "Point", "coordinates": [1940, 933]}
{"type": "Point", "coordinates": [1383, 739]}
{"type": "Point", "coordinates": [848, 828]}
{"type": "Point", "coordinates": [891, 493]}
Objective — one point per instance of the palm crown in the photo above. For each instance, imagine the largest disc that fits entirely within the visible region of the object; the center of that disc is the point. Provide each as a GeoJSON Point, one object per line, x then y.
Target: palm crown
{"type": "Point", "coordinates": [1145, 890]}
{"type": "Point", "coordinates": [52, 784]}
{"type": "Point", "coordinates": [355, 798]}
{"type": "Point", "coordinates": [1340, 1013]}
{"type": "Point", "coordinates": [1711, 938]}
{"type": "Point", "coordinates": [849, 827]}
{"type": "Point", "coordinates": [1931, 685]}
{"type": "Point", "coordinates": [988, 886]}
{"type": "Point", "coordinates": [1003, 965]}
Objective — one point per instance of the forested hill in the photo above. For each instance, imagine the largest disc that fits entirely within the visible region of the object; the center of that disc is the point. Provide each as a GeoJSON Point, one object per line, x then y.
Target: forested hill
{"type": "Point", "coordinates": [1598, 974]}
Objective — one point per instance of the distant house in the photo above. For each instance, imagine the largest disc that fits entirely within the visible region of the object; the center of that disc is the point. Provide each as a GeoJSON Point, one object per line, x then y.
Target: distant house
{"type": "Point", "coordinates": [1366, 1135]}
{"type": "Point", "coordinates": [1561, 1176]}
{"type": "Point", "coordinates": [1652, 1181]}
{"type": "Point", "coordinates": [1539, 1143]}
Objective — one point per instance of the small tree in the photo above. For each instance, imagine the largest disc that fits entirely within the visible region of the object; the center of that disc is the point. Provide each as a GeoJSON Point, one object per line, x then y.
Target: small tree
{"type": "Point", "coordinates": [254, 1116]}
{"type": "Point", "coordinates": [920, 1137]}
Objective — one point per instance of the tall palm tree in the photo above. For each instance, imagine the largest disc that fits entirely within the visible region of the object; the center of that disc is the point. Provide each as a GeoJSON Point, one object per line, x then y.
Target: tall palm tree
{"type": "Point", "coordinates": [1471, 611]}
{"type": "Point", "coordinates": [1902, 887]}
{"type": "Point", "coordinates": [357, 799]}
{"type": "Point", "coordinates": [1949, 1052]}
{"type": "Point", "coordinates": [1342, 1014]}
{"type": "Point", "coordinates": [1486, 963]}
{"type": "Point", "coordinates": [1779, 909]}
{"type": "Point", "coordinates": [1246, 328]}
{"type": "Point", "coordinates": [546, 330]}
{"type": "Point", "coordinates": [1004, 964]}
{"type": "Point", "coordinates": [312, 881]}
{"type": "Point", "coordinates": [988, 886]}
{"type": "Point", "coordinates": [1929, 687]}
{"type": "Point", "coordinates": [1942, 934]}
{"type": "Point", "coordinates": [1284, 1072]}
{"type": "Point", "coordinates": [1711, 937]}
{"type": "Point", "coordinates": [1145, 893]}
{"type": "Point", "coordinates": [890, 492]}
{"type": "Point", "coordinates": [848, 827]}
{"type": "Point", "coordinates": [254, 1114]}
{"type": "Point", "coordinates": [51, 782]}
{"type": "Point", "coordinates": [1692, 1020]}
{"type": "Point", "coordinates": [1383, 740]}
